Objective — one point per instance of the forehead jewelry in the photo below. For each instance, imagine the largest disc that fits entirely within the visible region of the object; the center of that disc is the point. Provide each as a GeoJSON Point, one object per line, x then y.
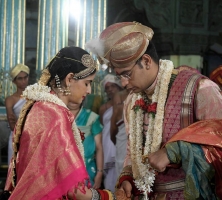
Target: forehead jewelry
{"type": "Point", "coordinates": [88, 62]}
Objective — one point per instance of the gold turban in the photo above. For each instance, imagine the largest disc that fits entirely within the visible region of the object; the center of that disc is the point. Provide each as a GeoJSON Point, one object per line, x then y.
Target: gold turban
{"type": "Point", "coordinates": [216, 75]}
{"type": "Point", "coordinates": [122, 43]}
{"type": "Point", "coordinates": [19, 68]}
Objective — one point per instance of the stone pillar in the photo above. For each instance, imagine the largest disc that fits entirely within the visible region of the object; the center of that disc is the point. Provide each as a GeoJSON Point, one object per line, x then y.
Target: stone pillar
{"type": "Point", "coordinates": [12, 42]}
{"type": "Point", "coordinates": [52, 30]}
{"type": "Point", "coordinates": [90, 22]}
{"type": "Point", "coordinates": [88, 25]}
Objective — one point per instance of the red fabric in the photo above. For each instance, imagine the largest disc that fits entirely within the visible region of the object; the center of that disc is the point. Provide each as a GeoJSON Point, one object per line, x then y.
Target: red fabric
{"type": "Point", "coordinates": [103, 195]}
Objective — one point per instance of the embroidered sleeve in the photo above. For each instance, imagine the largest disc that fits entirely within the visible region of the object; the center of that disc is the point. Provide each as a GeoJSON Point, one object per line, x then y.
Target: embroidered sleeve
{"type": "Point", "coordinates": [126, 110]}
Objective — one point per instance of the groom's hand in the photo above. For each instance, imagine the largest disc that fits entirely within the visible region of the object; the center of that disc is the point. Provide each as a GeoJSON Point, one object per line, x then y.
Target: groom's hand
{"type": "Point", "coordinates": [159, 160]}
{"type": "Point", "coordinates": [127, 187]}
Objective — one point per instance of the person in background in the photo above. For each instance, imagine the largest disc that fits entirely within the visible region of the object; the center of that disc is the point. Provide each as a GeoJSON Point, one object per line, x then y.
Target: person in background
{"type": "Point", "coordinates": [111, 87]}
{"type": "Point", "coordinates": [118, 131]}
{"type": "Point", "coordinates": [93, 102]}
{"type": "Point", "coordinates": [48, 160]}
{"type": "Point", "coordinates": [14, 103]}
{"type": "Point", "coordinates": [173, 118]}
{"type": "Point", "coordinates": [89, 124]}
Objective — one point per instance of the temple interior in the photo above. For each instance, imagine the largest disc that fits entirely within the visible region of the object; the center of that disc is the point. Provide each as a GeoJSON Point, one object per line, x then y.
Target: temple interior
{"type": "Point", "coordinates": [188, 32]}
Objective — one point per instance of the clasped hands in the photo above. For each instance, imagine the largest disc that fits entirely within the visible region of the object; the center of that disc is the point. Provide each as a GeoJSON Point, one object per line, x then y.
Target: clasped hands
{"type": "Point", "coordinates": [157, 160]}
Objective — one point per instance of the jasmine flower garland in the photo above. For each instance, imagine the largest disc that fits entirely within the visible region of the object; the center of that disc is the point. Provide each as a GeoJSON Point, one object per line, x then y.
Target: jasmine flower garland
{"type": "Point", "coordinates": [143, 174]}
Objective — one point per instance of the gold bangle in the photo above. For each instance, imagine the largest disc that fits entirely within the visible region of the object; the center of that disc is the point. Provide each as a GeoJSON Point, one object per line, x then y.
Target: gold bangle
{"type": "Point", "coordinates": [127, 168]}
{"type": "Point", "coordinates": [100, 170]}
{"type": "Point", "coordinates": [125, 174]}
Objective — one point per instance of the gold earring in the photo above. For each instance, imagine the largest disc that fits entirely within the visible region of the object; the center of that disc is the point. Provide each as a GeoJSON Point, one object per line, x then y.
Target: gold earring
{"type": "Point", "coordinates": [58, 84]}
{"type": "Point", "coordinates": [67, 90]}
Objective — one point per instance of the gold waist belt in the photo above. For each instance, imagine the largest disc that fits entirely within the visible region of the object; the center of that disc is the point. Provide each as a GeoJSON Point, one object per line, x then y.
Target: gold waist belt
{"type": "Point", "coordinates": [169, 186]}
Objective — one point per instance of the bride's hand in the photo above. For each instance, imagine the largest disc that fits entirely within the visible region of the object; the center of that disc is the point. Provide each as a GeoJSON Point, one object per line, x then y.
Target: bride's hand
{"type": "Point", "coordinates": [124, 192]}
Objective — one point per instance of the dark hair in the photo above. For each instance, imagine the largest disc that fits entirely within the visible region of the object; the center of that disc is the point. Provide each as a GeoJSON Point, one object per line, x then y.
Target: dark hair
{"type": "Point", "coordinates": [67, 60]}
{"type": "Point", "coordinates": [151, 51]}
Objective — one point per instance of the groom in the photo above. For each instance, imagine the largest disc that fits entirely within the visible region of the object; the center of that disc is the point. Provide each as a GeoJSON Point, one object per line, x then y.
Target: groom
{"type": "Point", "coordinates": [186, 102]}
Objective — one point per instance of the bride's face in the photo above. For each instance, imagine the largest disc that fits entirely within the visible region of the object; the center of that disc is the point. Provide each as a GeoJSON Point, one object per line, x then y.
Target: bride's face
{"type": "Point", "coordinates": [80, 88]}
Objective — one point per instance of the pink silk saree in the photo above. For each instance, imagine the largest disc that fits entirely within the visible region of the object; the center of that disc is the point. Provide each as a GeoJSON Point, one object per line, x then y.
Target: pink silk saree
{"type": "Point", "coordinates": [49, 163]}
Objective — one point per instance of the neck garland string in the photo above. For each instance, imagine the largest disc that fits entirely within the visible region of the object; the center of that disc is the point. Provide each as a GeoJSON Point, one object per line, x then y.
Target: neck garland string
{"type": "Point", "coordinates": [143, 174]}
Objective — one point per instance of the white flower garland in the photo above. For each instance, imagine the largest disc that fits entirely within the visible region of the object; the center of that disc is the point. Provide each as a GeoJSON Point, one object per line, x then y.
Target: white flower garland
{"type": "Point", "coordinates": [143, 174]}
{"type": "Point", "coordinates": [39, 92]}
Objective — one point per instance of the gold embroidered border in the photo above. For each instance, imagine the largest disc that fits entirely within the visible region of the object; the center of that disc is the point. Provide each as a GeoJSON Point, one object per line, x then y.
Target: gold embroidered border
{"type": "Point", "coordinates": [187, 101]}
{"type": "Point", "coordinates": [170, 186]}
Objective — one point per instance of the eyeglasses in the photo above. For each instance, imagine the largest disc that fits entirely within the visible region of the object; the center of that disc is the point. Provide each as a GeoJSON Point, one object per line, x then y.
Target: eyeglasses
{"type": "Point", "coordinates": [126, 75]}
